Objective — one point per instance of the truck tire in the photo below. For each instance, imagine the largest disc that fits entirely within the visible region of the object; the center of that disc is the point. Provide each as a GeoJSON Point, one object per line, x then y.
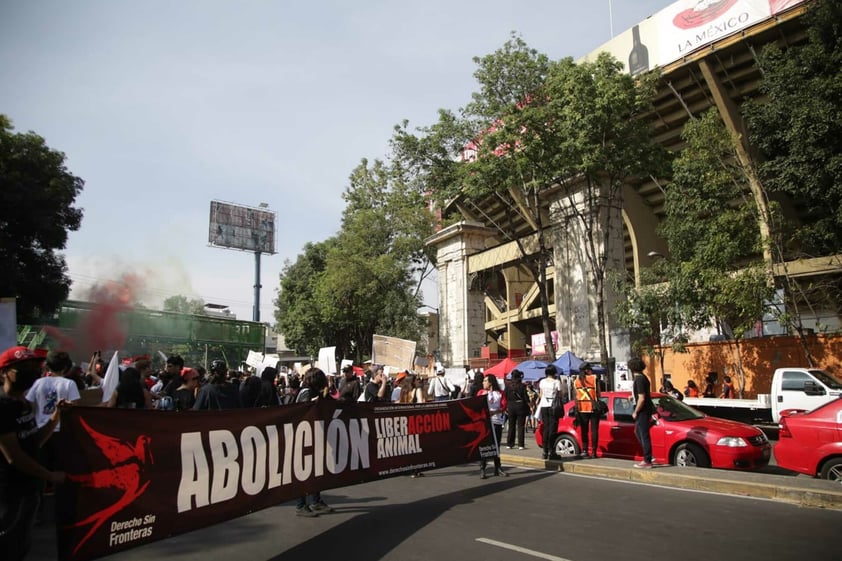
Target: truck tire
{"type": "Point", "coordinates": [691, 455]}
{"type": "Point", "coordinates": [832, 470]}
{"type": "Point", "coordinates": [566, 446]}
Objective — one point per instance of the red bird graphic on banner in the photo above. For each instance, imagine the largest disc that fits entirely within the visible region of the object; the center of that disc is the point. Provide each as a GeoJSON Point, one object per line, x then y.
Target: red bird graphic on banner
{"type": "Point", "coordinates": [127, 463]}
{"type": "Point", "coordinates": [478, 424]}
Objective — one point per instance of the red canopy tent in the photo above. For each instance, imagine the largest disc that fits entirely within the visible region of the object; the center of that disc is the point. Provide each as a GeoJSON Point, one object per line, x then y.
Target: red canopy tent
{"type": "Point", "coordinates": [501, 368]}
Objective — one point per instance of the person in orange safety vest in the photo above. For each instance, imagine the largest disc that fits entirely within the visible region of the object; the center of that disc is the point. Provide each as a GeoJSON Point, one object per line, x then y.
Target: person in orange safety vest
{"type": "Point", "coordinates": [587, 391]}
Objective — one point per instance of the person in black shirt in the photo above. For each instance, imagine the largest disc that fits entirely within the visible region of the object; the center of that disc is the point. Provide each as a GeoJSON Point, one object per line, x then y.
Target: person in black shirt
{"type": "Point", "coordinates": [349, 389]}
{"type": "Point", "coordinates": [376, 389]}
{"type": "Point", "coordinates": [518, 409]}
{"type": "Point", "coordinates": [643, 409]}
{"type": "Point", "coordinates": [21, 476]}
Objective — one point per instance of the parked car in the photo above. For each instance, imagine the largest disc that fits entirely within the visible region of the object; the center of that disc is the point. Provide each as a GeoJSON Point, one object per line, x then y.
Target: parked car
{"type": "Point", "coordinates": [811, 441]}
{"type": "Point", "coordinates": [681, 436]}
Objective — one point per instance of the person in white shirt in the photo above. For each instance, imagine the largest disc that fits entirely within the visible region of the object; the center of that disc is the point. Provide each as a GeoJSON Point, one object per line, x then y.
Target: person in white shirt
{"type": "Point", "coordinates": [47, 392]}
{"type": "Point", "coordinates": [548, 387]}
{"type": "Point", "coordinates": [439, 389]}
{"type": "Point", "coordinates": [491, 389]}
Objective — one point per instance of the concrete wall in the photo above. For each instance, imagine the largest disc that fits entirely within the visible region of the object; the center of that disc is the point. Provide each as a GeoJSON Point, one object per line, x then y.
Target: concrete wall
{"type": "Point", "coordinates": [760, 357]}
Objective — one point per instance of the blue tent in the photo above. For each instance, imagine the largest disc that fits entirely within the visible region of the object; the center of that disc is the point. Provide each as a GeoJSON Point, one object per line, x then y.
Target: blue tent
{"type": "Point", "coordinates": [532, 370]}
{"type": "Point", "coordinates": [568, 363]}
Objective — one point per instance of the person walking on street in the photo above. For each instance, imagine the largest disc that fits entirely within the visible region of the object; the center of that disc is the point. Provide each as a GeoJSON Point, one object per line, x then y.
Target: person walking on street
{"type": "Point", "coordinates": [548, 387]}
{"type": "Point", "coordinates": [587, 392]}
{"type": "Point", "coordinates": [643, 409]}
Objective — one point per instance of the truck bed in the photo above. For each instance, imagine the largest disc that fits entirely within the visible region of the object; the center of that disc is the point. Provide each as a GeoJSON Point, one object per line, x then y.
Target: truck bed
{"type": "Point", "coordinates": [752, 411]}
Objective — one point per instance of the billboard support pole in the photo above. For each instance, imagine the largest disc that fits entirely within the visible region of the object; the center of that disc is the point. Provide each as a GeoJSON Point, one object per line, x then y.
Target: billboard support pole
{"type": "Point", "coordinates": [256, 311]}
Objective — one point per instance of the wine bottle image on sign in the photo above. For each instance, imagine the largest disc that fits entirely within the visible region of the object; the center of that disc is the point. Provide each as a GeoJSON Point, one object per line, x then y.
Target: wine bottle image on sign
{"type": "Point", "coordinates": [639, 56]}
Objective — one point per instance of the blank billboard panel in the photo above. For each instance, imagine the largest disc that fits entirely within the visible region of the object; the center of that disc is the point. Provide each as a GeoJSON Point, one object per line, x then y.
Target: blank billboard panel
{"type": "Point", "coordinates": [241, 227]}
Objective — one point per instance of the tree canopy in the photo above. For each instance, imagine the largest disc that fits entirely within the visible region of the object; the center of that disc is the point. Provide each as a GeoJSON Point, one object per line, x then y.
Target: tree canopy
{"type": "Point", "coordinates": [797, 127]}
{"type": "Point", "coordinates": [37, 196]}
{"type": "Point", "coordinates": [366, 279]}
{"type": "Point", "coordinates": [184, 305]}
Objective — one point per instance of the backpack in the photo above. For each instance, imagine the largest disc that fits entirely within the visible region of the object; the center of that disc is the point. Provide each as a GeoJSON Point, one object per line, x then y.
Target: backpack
{"type": "Point", "coordinates": [303, 395]}
{"type": "Point", "coordinates": [504, 403]}
{"type": "Point", "coordinates": [454, 393]}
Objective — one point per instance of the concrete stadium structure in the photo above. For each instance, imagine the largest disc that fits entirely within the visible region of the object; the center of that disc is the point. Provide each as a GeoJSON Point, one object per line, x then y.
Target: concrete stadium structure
{"type": "Point", "coordinates": [489, 305]}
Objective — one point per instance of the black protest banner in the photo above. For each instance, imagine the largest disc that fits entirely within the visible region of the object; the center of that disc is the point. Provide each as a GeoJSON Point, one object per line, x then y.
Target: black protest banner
{"type": "Point", "coordinates": [136, 476]}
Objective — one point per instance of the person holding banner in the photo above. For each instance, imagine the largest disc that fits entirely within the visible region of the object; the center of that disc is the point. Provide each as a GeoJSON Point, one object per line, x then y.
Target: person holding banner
{"type": "Point", "coordinates": [20, 438]}
{"type": "Point", "coordinates": [491, 389]}
{"type": "Point", "coordinates": [318, 390]}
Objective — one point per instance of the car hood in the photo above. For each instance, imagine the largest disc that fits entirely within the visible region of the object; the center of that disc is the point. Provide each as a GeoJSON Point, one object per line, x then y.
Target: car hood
{"type": "Point", "coordinates": [722, 427]}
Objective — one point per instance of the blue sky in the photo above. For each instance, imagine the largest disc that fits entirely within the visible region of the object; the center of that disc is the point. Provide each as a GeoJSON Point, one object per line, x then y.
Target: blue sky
{"type": "Point", "coordinates": [163, 106]}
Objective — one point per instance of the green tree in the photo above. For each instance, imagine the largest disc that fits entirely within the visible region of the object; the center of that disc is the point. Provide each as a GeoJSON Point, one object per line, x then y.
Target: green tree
{"type": "Point", "coordinates": [37, 194]}
{"type": "Point", "coordinates": [533, 125]}
{"type": "Point", "coordinates": [366, 279]}
{"type": "Point", "coordinates": [298, 311]}
{"type": "Point", "coordinates": [715, 268]}
{"type": "Point", "coordinates": [797, 127]}
{"type": "Point", "coordinates": [184, 305]}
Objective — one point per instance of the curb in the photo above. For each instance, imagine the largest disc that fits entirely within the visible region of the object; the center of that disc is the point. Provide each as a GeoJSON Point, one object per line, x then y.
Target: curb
{"type": "Point", "coordinates": [795, 490]}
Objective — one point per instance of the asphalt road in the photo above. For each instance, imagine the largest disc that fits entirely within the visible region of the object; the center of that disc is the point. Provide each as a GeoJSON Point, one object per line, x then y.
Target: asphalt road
{"type": "Point", "coordinates": [453, 514]}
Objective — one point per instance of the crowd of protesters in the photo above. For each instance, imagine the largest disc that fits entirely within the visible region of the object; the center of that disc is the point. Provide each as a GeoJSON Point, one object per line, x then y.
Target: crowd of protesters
{"type": "Point", "coordinates": [37, 385]}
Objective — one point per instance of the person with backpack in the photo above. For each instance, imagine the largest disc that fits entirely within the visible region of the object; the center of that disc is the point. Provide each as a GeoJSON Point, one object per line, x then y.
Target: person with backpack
{"type": "Point", "coordinates": [491, 389]}
{"type": "Point", "coordinates": [439, 389]}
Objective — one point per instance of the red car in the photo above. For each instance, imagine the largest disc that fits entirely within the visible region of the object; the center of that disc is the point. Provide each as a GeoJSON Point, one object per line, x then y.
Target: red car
{"type": "Point", "coordinates": [681, 436]}
{"type": "Point", "coordinates": [811, 442]}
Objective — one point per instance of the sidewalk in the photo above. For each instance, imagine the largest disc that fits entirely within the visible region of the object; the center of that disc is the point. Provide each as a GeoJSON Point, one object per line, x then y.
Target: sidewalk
{"type": "Point", "coordinates": [781, 486]}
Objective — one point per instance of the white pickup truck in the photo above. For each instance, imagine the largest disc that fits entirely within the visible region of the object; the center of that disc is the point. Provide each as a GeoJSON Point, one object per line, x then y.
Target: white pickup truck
{"type": "Point", "coordinates": [792, 388]}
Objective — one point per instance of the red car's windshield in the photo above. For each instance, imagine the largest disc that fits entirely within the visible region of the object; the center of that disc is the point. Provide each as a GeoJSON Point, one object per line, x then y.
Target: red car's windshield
{"type": "Point", "coordinates": [671, 409]}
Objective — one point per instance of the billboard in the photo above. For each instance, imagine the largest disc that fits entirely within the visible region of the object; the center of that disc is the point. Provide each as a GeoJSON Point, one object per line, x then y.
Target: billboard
{"type": "Point", "coordinates": [241, 227]}
{"type": "Point", "coordinates": [685, 27]}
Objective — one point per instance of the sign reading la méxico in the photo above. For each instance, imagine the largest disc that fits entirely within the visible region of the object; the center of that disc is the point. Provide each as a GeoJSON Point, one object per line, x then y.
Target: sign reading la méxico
{"type": "Point", "coordinates": [137, 476]}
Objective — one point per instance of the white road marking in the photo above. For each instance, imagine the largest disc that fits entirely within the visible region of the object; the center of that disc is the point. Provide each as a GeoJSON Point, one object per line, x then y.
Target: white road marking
{"type": "Point", "coordinates": [519, 549]}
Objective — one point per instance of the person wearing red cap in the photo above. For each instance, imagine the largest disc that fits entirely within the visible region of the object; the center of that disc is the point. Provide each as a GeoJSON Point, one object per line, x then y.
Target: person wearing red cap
{"type": "Point", "coordinates": [185, 395]}
{"type": "Point", "coordinates": [21, 476]}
